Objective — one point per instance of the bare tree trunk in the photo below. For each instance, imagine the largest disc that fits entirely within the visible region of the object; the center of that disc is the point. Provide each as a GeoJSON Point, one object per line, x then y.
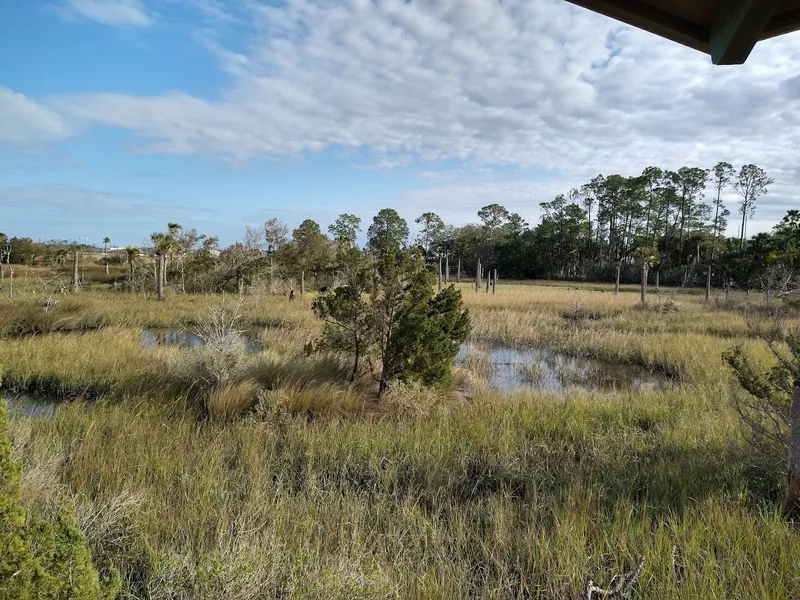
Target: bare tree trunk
{"type": "Point", "coordinates": [645, 270]}
{"type": "Point", "coordinates": [440, 274]}
{"type": "Point", "coordinates": [302, 282]}
{"type": "Point", "coordinates": [357, 355]}
{"type": "Point", "coordinates": [458, 272]}
{"type": "Point", "coordinates": [708, 284]}
{"type": "Point", "coordinates": [658, 282]}
{"type": "Point", "coordinates": [75, 281]}
{"type": "Point", "coordinates": [478, 275]}
{"type": "Point", "coordinates": [616, 285]}
{"type": "Point", "coordinates": [447, 269]}
{"type": "Point", "coordinates": [494, 282]}
{"type": "Point", "coordinates": [105, 255]}
{"type": "Point", "coordinates": [488, 280]}
{"type": "Point", "coordinates": [11, 284]}
{"type": "Point", "coordinates": [793, 497]}
{"type": "Point", "coordinates": [160, 268]}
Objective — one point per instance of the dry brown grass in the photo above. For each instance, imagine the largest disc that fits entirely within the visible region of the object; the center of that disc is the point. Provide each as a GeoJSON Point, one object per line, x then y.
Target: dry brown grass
{"type": "Point", "coordinates": [324, 493]}
{"type": "Point", "coordinates": [229, 401]}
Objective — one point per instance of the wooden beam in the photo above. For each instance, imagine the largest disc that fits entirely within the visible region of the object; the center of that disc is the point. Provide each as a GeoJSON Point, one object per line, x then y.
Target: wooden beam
{"type": "Point", "coordinates": [785, 22]}
{"type": "Point", "coordinates": [737, 27]}
{"type": "Point", "coordinates": [647, 17]}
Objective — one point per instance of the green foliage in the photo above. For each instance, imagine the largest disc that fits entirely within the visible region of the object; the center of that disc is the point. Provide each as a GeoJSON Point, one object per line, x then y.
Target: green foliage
{"type": "Point", "coordinates": [345, 230]}
{"type": "Point", "coordinates": [41, 559]}
{"type": "Point", "coordinates": [22, 250]}
{"type": "Point", "coordinates": [388, 232]}
{"type": "Point", "coordinates": [346, 313]}
{"type": "Point", "coordinates": [17, 566]}
{"type": "Point", "coordinates": [429, 333]}
{"type": "Point", "coordinates": [765, 407]}
{"type": "Point", "coordinates": [431, 233]}
{"type": "Point", "coordinates": [411, 333]}
{"type": "Point", "coordinates": [310, 248]}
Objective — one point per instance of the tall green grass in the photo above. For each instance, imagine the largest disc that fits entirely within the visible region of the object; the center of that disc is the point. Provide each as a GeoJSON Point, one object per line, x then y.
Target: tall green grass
{"type": "Point", "coordinates": [521, 498]}
{"type": "Point", "coordinates": [322, 492]}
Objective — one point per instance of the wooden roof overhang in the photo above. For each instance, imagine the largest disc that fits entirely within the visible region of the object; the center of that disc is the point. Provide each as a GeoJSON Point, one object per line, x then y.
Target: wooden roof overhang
{"type": "Point", "coordinates": [726, 29]}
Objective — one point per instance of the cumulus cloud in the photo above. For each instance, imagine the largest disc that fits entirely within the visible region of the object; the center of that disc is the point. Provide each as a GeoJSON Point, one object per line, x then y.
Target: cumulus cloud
{"type": "Point", "coordinates": [129, 13]}
{"type": "Point", "coordinates": [28, 122]}
{"type": "Point", "coordinates": [541, 85]}
{"type": "Point", "coordinates": [505, 83]}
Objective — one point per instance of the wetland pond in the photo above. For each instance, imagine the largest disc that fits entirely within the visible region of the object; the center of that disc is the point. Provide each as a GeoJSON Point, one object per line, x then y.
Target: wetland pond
{"type": "Point", "coordinates": [30, 405]}
{"type": "Point", "coordinates": [152, 338]}
{"type": "Point", "coordinates": [507, 369]}
{"type": "Point", "coordinates": [512, 370]}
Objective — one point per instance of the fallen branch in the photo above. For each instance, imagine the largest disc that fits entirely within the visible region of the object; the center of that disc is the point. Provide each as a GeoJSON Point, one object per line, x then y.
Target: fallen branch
{"type": "Point", "coordinates": [620, 586]}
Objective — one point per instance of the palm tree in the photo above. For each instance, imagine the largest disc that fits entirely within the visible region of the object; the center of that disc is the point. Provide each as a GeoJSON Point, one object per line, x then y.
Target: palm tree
{"type": "Point", "coordinates": [132, 252]}
{"type": "Point", "coordinates": [645, 257]}
{"type": "Point", "coordinates": [164, 244]}
{"type": "Point", "coordinates": [106, 240]}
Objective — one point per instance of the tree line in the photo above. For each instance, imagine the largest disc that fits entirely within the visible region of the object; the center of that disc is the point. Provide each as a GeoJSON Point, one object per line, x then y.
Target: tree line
{"type": "Point", "coordinates": [672, 222]}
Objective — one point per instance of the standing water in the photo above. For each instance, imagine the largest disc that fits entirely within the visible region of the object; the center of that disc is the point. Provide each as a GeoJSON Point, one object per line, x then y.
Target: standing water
{"type": "Point", "coordinates": [30, 405]}
{"type": "Point", "coordinates": [152, 338]}
{"type": "Point", "coordinates": [510, 370]}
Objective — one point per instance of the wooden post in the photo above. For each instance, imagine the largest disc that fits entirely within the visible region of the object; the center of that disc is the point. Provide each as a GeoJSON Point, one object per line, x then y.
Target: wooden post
{"type": "Point", "coordinates": [271, 274]}
{"type": "Point", "coordinates": [658, 277]}
{"type": "Point", "coordinates": [488, 279]}
{"type": "Point", "coordinates": [458, 272]}
{"type": "Point", "coordinates": [478, 275]}
{"type": "Point", "coordinates": [446, 269]}
{"type": "Point", "coordinates": [75, 280]}
{"type": "Point", "coordinates": [708, 284]}
{"type": "Point", "coordinates": [161, 263]}
{"type": "Point", "coordinates": [440, 274]}
{"type": "Point", "coordinates": [644, 283]}
{"type": "Point", "coordinates": [494, 282]}
{"type": "Point", "coordinates": [616, 285]}
{"type": "Point", "coordinates": [302, 282]}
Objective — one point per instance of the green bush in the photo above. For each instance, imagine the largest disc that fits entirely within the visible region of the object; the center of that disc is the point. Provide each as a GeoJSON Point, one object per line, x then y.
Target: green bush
{"type": "Point", "coordinates": [41, 559]}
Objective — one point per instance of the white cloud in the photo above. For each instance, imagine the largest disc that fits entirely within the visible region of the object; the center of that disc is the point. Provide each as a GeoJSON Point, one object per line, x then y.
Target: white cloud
{"type": "Point", "coordinates": [130, 13]}
{"type": "Point", "coordinates": [540, 85]}
{"type": "Point", "coordinates": [27, 122]}
{"type": "Point", "coordinates": [529, 83]}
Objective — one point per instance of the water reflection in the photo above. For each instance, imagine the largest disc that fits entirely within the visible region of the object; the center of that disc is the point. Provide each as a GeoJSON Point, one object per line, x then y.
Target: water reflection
{"type": "Point", "coordinates": [30, 405]}
{"type": "Point", "coordinates": [511, 370]}
{"type": "Point", "coordinates": [152, 338]}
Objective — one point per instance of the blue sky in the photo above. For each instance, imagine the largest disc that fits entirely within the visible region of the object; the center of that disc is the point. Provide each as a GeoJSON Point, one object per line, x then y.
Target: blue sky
{"type": "Point", "coordinates": [117, 116]}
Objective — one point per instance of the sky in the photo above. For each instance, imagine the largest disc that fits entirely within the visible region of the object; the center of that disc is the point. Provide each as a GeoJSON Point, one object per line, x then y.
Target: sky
{"type": "Point", "coordinates": [118, 116]}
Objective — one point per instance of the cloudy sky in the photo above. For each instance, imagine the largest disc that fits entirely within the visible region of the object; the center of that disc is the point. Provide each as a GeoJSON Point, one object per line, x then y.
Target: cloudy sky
{"type": "Point", "coordinates": [117, 116]}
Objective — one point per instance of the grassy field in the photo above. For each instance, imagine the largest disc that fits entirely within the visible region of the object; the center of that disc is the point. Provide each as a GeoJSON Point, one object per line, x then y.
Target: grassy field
{"type": "Point", "coordinates": [321, 492]}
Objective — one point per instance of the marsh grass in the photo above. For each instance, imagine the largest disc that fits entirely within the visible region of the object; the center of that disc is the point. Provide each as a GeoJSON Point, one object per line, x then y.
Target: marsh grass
{"type": "Point", "coordinates": [231, 400]}
{"type": "Point", "coordinates": [322, 492]}
{"type": "Point", "coordinates": [532, 373]}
